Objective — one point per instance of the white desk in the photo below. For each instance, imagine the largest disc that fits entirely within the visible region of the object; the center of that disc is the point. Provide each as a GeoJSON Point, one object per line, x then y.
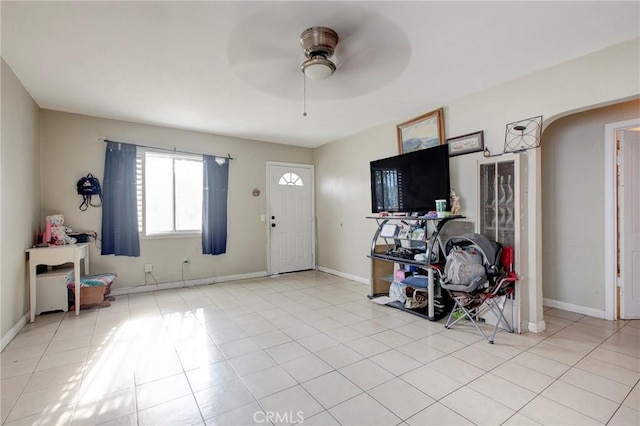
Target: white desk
{"type": "Point", "coordinates": [56, 255]}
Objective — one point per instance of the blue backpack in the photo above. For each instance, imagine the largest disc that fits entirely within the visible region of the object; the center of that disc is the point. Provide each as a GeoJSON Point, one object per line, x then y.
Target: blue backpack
{"type": "Point", "coordinates": [88, 186]}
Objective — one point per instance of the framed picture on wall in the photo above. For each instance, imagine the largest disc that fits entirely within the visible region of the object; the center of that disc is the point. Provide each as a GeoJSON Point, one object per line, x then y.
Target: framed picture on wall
{"type": "Point", "coordinates": [421, 132]}
{"type": "Point", "coordinates": [466, 144]}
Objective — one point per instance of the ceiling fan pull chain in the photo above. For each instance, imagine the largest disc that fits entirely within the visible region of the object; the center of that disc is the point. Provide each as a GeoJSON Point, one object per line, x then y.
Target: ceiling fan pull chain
{"type": "Point", "coordinates": [304, 95]}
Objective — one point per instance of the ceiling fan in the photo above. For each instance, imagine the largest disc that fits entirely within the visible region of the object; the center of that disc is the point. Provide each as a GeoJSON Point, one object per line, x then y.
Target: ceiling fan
{"type": "Point", "coordinates": [366, 48]}
{"type": "Point", "coordinates": [319, 44]}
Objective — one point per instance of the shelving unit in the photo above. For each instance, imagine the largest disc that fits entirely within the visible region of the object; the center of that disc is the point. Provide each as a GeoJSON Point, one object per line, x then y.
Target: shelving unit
{"type": "Point", "coordinates": [387, 247]}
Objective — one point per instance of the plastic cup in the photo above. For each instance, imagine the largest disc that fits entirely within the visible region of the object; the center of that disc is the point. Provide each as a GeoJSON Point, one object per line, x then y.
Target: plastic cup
{"type": "Point", "coordinates": [441, 206]}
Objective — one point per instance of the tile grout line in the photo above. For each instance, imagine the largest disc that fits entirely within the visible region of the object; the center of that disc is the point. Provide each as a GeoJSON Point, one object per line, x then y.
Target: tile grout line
{"type": "Point", "coordinates": [574, 366]}
{"type": "Point", "coordinates": [33, 371]}
{"type": "Point", "coordinates": [323, 307]}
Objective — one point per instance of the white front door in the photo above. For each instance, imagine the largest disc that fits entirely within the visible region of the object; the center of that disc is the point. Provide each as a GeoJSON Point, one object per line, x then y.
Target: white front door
{"type": "Point", "coordinates": [630, 225]}
{"type": "Point", "coordinates": [290, 217]}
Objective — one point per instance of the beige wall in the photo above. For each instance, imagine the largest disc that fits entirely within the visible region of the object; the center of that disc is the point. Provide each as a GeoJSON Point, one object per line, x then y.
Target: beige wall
{"type": "Point", "coordinates": [573, 205]}
{"type": "Point", "coordinates": [343, 199]}
{"type": "Point", "coordinates": [20, 195]}
{"type": "Point", "coordinates": [602, 77]}
{"type": "Point", "coordinates": [71, 149]}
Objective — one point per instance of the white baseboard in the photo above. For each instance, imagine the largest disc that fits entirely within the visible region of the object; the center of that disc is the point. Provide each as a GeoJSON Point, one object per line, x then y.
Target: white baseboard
{"type": "Point", "coordinates": [596, 313]}
{"type": "Point", "coordinates": [537, 327]}
{"type": "Point", "coordinates": [237, 277]}
{"type": "Point", "coordinates": [7, 338]}
{"type": "Point", "coordinates": [188, 283]}
{"type": "Point", "coordinates": [343, 275]}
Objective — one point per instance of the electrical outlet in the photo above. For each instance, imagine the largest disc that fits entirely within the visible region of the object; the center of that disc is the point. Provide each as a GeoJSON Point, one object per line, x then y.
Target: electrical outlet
{"type": "Point", "coordinates": [148, 267]}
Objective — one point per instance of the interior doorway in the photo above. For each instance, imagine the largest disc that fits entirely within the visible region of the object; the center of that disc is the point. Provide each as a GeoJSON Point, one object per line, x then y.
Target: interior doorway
{"type": "Point", "coordinates": [629, 222]}
{"type": "Point", "coordinates": [290, 214]}
{"type": "Point", "coordinates": [622, 219]}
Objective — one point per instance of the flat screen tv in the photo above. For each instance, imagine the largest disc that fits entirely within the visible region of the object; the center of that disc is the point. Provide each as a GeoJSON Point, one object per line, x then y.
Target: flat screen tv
{"type": "Point", "coordinates": [411, 182]}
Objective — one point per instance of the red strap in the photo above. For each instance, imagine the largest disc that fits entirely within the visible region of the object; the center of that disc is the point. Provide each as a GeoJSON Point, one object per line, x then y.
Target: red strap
{"type": "Point", "coordinates": [507, 258]}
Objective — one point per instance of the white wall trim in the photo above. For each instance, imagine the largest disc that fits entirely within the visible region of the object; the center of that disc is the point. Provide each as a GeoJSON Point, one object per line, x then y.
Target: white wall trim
{"type": "Point", "coordinates": [343, 275]}
{"type": "Point", "coordinates": [7, 338]}
{"type": "Point", "coordinates": [179, 284]}
{"type": "Point", "coordinates": [610, 216]}
{"type": "Point", "coordinates": [237, 277]}
{"type": "Point", "coordinates": [596, 313]}
{"type": "Point", "coordinates": [537, 327]}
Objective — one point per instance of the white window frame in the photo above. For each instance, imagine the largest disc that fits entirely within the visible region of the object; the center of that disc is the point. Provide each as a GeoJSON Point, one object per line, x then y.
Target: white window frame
{"type": "Point", "coordinates": [141, 196]}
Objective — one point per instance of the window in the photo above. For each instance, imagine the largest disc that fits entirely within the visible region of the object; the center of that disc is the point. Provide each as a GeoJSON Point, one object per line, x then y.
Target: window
{"type": "Point", "coordinates": [290, 178]}
{"type": "Point", "coordinates": [169, 191]}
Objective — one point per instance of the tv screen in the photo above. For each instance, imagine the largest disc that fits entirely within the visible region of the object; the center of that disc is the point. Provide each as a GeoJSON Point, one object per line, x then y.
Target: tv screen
{"type": "Point", "coordinates": [411, 182]}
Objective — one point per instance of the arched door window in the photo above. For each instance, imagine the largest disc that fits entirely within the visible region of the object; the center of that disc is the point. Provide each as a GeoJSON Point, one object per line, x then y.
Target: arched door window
{"type": "Point", "coordinates": [290, 178]}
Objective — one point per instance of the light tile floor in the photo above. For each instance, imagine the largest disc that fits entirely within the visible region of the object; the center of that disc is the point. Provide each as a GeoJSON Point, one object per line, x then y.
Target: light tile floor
{"type": "Point", "coordinates": [309, 347]}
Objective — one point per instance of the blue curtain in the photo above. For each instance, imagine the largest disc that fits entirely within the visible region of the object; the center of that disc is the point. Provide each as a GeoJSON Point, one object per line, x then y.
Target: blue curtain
{"type": "Point", "coordinates": [119, 209]}
{"type": "Point", "coordinates": [214, 205]}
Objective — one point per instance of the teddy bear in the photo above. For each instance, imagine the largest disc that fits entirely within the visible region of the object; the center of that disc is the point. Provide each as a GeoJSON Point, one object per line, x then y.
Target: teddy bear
{"type": "Point", "coordinates": [59, 231]}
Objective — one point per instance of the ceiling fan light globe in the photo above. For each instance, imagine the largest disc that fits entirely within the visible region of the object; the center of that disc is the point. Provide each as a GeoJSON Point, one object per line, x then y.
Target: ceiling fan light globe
{"type": "Point", "coordinates": [318, 68]}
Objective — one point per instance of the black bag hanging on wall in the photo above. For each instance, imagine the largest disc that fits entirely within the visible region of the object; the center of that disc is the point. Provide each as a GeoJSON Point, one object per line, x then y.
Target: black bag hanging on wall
{"type": "Point", "coordinates": [87, 187]}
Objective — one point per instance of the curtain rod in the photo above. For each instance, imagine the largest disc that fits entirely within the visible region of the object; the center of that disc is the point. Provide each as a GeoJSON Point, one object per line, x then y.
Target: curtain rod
{"type": "Point", "coordinates": [228, 156]}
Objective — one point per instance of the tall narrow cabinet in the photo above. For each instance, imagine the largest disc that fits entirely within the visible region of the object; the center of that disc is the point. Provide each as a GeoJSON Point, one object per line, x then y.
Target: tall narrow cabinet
{"type": "Point", "coordinates": [502, 218]}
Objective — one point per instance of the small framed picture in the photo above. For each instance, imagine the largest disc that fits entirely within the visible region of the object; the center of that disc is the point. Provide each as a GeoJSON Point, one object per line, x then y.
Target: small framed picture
{"type": "Point", "coordinates": [465, 144]}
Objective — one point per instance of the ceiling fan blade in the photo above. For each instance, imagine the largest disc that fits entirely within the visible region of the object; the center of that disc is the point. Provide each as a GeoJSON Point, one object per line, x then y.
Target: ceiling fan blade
{"type": "Point", "coordinates": [371, 51]}
{"type": "Point", "coordinates": [280, 78]}
{"type": "Point", "coordinates": [257, 49]}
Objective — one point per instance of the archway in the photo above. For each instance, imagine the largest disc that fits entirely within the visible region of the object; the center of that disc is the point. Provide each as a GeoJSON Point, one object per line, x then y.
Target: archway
{"type": "Point", "coordinates": [576, 211]}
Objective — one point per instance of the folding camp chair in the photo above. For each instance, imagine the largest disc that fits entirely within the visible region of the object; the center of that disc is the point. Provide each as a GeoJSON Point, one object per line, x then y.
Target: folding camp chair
{"type": "Point", "coordinates": [472, 304]}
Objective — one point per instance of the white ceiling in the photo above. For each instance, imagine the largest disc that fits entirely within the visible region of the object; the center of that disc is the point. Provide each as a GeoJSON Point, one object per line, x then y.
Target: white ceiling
{"type": "Point", "coordinates": [232, 68]}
